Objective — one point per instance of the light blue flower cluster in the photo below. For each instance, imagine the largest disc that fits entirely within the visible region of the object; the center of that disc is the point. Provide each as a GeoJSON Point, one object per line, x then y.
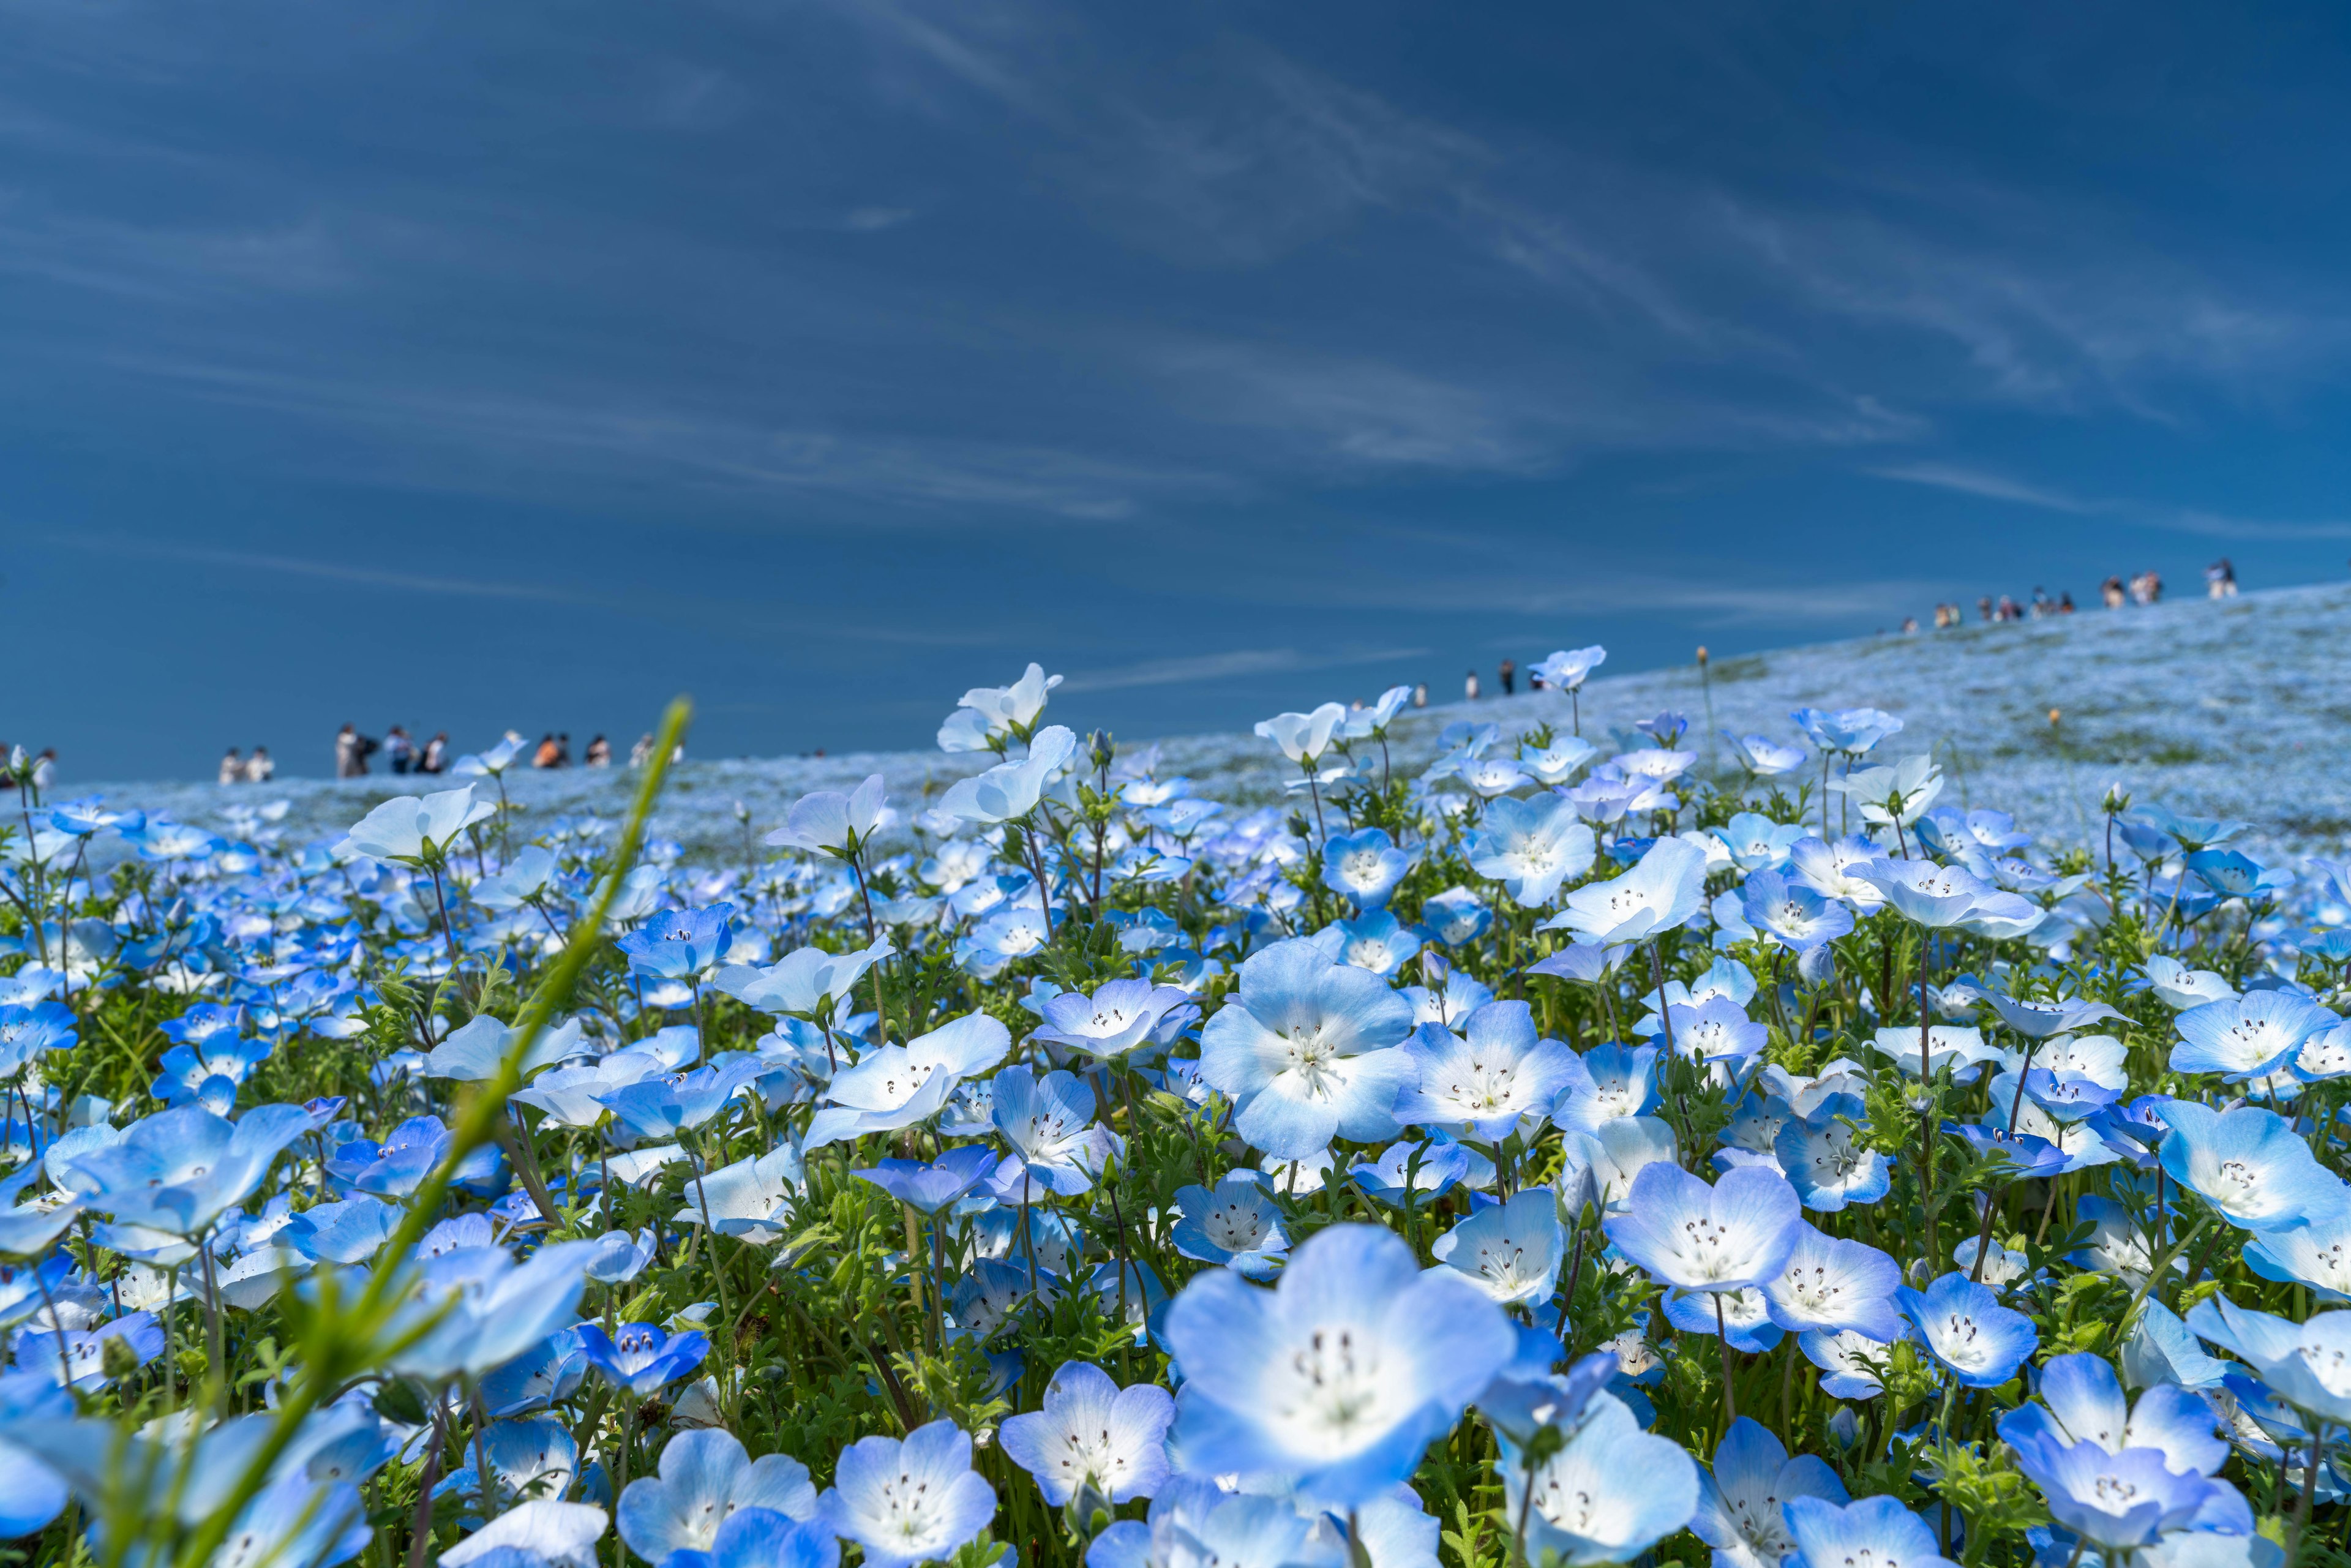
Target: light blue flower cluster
{"type": "Point", "coordinates": [1542, 1151]}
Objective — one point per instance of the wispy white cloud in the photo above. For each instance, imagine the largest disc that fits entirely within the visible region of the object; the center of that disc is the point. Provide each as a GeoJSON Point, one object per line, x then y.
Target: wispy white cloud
{"type": "Point", "coordinates": [1222, 667]}
{"type": "Point", "coordinates": [557, 439]}
{"type": "Point", "coordinates": [357, 574]}
{"type": "Point", "coordinates": [1990, 486]}
{"type": "Point", "coordinates": [2196, 521]}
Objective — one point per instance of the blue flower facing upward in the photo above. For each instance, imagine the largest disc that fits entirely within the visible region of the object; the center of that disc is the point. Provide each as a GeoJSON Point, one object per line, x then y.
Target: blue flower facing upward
{"type": "Point", "coordinates": [642, 1358]}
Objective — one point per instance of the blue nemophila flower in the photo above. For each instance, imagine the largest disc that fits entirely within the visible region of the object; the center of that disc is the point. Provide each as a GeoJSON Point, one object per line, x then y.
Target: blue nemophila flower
{"type": "Point", "coordinates": [763, 1538]}
{"type": "Point", "coordinates": [2119, 1499]}
{"type": "Point", "coordinates": [620, 1256]}
{"type": "Point", "coordinates": [2301, 1363]}
{"type": "Point", "coordinates": [704, 1479]}
{"type": "Point", "coordinates": [1935, 896]}
{"type": "Point", "coordinates": [2246, 1036]}
{"type": "Point", "coordinates": [1663, 891]}
{"type": "Point", "coordinates": [540, 1533]}
{"type": "Point", "coordinates": [1363, 866]}
{"type": "Point", "coordinates": [1377, 942]}
{"type": "Point", "coordinates": [1829, 1285]}
{"type": "Point", "coordinates": [413, 832]}
{"type": "Point", "coordinates": [1852, 730]}
{"type": "Point", "coordinates": [1531, 847]}
{"type": "Point", "coordinates": [1740, 1318]}
{"type": "Point", "coordinates": [931, 1187]}
{"type": "Point", "coordinates": [2082, 1401]}
{"type": "Point", "coordinates": [2250, 1166]}
{"type": "Point", "coordinates": [809, 982]}
{"type": "Point", "coordinates": [1756, 842]}
{"type": "Point", "coordinates": [32, 1494]}
{"type": "Point", "coordinates": [1056, 1145]}
{"type": "Point", "coordinates": [1009, 792]}
{"type": "Point", "coordinates": [1239, 1226]}
{"type": "Point", "coordinates": [2317, 1255]}
{"type": "Point", "coordinates": [1194, 1523]}
{"type": "Point", "coordinates": [1414, 1176]}
{"type": "Point", "coordinates": [178, 1170]}
{"type": "Point", "coordinates": [1091, 1432]}
{"type": "Point", "coordinates": [487, 1309]}
{"type": "Point", "coordinates": [1737, 1233]}
{"type": "Point", "coordinates": [1555, 764]}
{"type": "Point", "coordinates": [1609, 1495]}
{"type": "Point", "coordinates": [1120, 1016]}
{"type": "Point", "coordinates": [1340, 1377]}
{"type": "Point", "coordinates": [990, 717]}
{"type": "Point", "coordinates": [1566, 669]}
{"type": "Point", "coordinates": [829, 821]}
{"type": "Point", "coordinates": [910, 1501]}
{"type": "Point", "coordinates": [1455, 916]}
{"type": "Point", "coordinates": [28, 1032]}
{"type": "Point", "coordinates": [211, 1069]}
{"type": "Point", "coordinates": [1450, 996]}
{"type": "Point", "coordinates": [1825, 1161]}
{"type": "Point", "coordinates": [410, 1152]}
{"type": "Point", "coordinates": [1740, 1502]}
{"type": "Point", "coordinates": [1762, 756]}
{"type": "Point", "coordinates": [1303, 736]}
{"type": "Point", "coordinates": [477, 1049]}
{"type": "Point", "coordinates": [1876, 1529]}
{"type": "Point", "coordinates": [1964, 1327]}
{"type": "Point", "coordinates": [681, 944]}
{"type": "Point", "coordinates": [78, 1357]}
{"type": "Point", "coordinates": [1511, 1250]}
{"type": "Point", "coordinates": [661, 1107]}
{"type": "Point", "coordinates": [527, 1458]}
{"type": "Point", "coordinates": [1715, 1030]}
{"type": "Point", "coordinates": [642, 1358]}
{"type": "Point", "coordinates": [1305, 1051]}
{"type": "Point", "coordinates": [1481, 1082]}
{"type": "Point", "coordinates": [1527, 1395]}
{"type": "Point", "coordinates": [897, 1086]}
{"type": "Point", "coordinates": [1850, 1361]}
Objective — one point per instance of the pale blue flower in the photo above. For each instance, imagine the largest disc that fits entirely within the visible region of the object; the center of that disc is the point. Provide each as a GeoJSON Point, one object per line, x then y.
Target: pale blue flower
{"type": "Point", "coordinates": [704, 1479]}
{"type": "Point", "coordinates": [1239, 1226]}
{"type": "Point", "coordinates": [1609, 1495]}
{"type": "Point", "coordinates": [1737, 1233]}
{"type": "Point", "coordinates": [1964, 1327]}
{"type": "Point", "coordinates": [2246, 1036]}
{"type": "Point", "coordinates": [1531, 847]}
{"type": "Point", "coordinates": [1831, 1285]}
{"type": "Point", "coordinates": [911, 1501]}
{"type": "Point", "coordinates": [1305, 1051]}
{"type": "Point", "coordinates": [1091, 1432]}
{"type": "Point", "coordinates": [1483, 1080]}
{"type": "Point", "coordinates": [1510, 1250]}
{"type": "Point", "coordinates": [1663, 891]}
{"type": "Point", "coordinates": [1740, 1502]}
{"type": "Point", "coordinates": [1364, 867]}
{"type": "Point", "coordinates": [1875, 1530]}
{"type": "Point", "coordinates": [2250, 1166]}
{"type": "Point", "coordinates": [1342, 1375]}
{"type": "Point", "coordinates": [2082, 1401]}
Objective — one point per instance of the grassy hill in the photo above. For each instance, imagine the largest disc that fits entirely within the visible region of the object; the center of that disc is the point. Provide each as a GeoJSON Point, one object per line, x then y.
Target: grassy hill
{"type": "Point", "coordinates": [2239, 708]}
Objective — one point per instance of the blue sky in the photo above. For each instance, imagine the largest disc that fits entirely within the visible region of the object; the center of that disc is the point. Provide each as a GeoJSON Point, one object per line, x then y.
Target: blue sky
{"type": "Point", "coordinates": [471, 365]}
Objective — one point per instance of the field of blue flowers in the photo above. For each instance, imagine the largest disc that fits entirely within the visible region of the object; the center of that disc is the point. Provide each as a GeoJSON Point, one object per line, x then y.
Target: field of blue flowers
{"type": "Point", "coordinates": [1541, 1133]}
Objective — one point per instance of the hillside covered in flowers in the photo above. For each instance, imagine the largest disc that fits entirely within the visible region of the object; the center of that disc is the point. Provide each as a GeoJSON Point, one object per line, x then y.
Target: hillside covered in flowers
{"type": "Point", "coordinates": [1543, 1132]}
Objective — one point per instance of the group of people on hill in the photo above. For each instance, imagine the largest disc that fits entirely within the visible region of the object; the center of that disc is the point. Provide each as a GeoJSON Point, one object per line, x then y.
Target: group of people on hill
{"type": "Point", "coordinates": [402, 754]}
{"type": "Point", "coordinates": [554, 751]}
{"type": "Point", "coordinates": [258, 768]}
{"type": "Point", "coordinates": [2143, 587]}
